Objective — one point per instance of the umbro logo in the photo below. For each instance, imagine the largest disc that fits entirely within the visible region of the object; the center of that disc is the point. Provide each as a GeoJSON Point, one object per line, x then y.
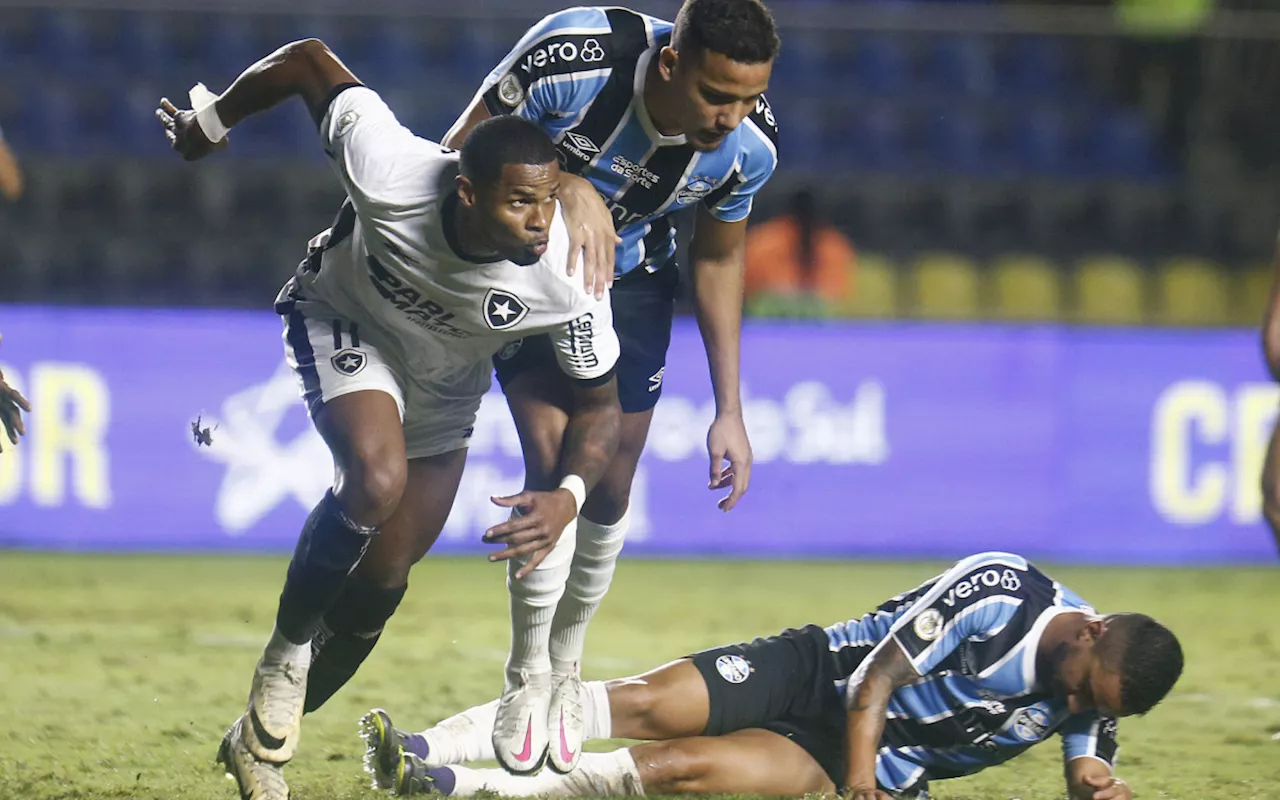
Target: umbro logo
{"type": "Point", "coordinates": [655, 380]}
{"type": "Point", "coordinates": [582, 143]}
{"type": "Point", "coordinates": [503, 310]}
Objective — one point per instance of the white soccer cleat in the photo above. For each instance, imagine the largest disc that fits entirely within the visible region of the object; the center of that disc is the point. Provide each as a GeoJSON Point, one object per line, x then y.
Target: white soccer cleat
{"type": "Point", "coordinates": [520, 728]}
{"type": "Point", "coordinates": [255, 779]}
{"type": "Point", "coordinates": [565, 730]}
{"type": "Point", "coordinates": [274, 717]}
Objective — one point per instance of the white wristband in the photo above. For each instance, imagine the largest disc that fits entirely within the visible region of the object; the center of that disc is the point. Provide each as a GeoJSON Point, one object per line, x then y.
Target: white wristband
{"type": "Point", "coordinates": [203, 101]}
{"type": "Point", "coordinates": [577, 487]}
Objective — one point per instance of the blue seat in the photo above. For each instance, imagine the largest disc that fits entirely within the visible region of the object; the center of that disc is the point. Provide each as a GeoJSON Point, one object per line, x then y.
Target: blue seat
{"type": "Point", "coordinates": [476, 51]}
{"type": "Point", "coordinates": [963, 64]}
{"type": "Point", "coordinates": [878, 138]}
{"type": "Point", "coordinates": [1041, 141]}
{"type": "Point", "coordinates": [882, 65]}
{"type": "Point", "coordinates": [131, 123]}
{"type": "Point", "coordinates": [63, 43]}
{"type": "Point", "coordinates": [1038, 66]}
{"type": "Point", "coordinates": [50, 125]}
{"type": "Point", "coordinates": [144, 45]}
{"type": "Point", "coordinates": [1121, 145]}
{"type": "Point", "coordinates": [401, 57]}
{"type": "Point", "coordinates": [228, 45]}
{"type": "Point", "coordinates": [959, 141]}
{"type": "Point", "coordinates": [804, 63]}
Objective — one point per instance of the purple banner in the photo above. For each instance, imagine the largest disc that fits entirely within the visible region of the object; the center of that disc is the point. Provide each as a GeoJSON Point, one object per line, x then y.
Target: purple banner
{"type": "Point", "coordinates": [870, 440]}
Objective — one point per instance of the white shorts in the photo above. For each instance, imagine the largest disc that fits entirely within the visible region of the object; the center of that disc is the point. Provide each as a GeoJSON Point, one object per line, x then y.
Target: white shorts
{"type": "Point", "coordinates": [334, 356]}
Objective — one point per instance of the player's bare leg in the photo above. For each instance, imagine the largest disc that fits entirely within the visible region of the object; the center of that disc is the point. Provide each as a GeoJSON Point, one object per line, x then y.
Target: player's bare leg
{"type": "Point", "coordinates": [1271, 483]}
{"type": "Point", "coordinates": [353, 624]}
{"type": "Point", "coordinates": [363, 432]}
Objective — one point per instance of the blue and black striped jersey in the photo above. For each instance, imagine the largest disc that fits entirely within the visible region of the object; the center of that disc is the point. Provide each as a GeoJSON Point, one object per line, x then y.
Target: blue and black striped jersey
{"type": "Point", "coordinates": [971, 633]}
{"type": "Point", "coordinates": [580, 74]}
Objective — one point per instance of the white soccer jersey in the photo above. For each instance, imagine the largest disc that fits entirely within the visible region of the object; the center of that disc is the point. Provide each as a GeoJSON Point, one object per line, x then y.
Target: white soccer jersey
{"type": "Point", "coordinates": [390, 264]}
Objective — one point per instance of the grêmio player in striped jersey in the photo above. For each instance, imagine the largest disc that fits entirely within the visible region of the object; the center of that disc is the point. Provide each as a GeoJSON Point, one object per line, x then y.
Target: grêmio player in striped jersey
{"type": "Point", "coordinates": [649, 117]}
{"type": "Point", "coordinates": [966, 671]}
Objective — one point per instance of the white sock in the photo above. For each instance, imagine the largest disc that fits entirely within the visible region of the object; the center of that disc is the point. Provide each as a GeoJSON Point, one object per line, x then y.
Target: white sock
{"type": "Point", "coordinates": [467, 737]}
{"type": "Point", "coordinates": [462, 738]}
{"type": "Point", "coordinates": [592, 572]}
{"type": "Point", "coordinates": [280, 650]}
{"type": "Point", "coordinates": [533, 605]}
{"type": "Point", "coordinates": [598, 775]}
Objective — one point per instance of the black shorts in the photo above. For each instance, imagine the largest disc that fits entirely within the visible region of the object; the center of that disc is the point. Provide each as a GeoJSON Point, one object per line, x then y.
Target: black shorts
{"type": "Point", "coordinates": [784, 684]}
{"type": "Point", "coordinates": [643, 306]}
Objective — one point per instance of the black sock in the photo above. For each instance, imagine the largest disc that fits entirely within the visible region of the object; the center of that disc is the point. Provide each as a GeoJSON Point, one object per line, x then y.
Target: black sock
{"type": "Point", "coordinates": [329, 547]}
{"type": "Point", "coordinates": [350, 629]}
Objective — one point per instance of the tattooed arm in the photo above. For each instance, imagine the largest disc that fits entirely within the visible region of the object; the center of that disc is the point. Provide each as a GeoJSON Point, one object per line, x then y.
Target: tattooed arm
{"type": "Point", "coordinates": [889, 668]}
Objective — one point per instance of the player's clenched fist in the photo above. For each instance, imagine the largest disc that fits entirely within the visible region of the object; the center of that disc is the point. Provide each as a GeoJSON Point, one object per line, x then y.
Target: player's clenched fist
{"type": "Point", "coordinates": [184, 132]}
{"type": "Point", "coordinates": [12, 404]}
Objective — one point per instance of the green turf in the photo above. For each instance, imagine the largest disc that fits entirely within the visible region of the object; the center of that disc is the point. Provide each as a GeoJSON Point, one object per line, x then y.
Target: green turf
{"type": "Point", "coordinates": [119, 674]}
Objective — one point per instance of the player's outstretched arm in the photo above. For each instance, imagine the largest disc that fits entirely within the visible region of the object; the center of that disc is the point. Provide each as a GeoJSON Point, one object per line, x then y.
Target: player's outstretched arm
{"type": "Point", "coordinates": [1091, 779]}
{"type": "Point", "coordinates": [716, 252]}
{"type": "Point", "coordinates": [888, 669]}
{"type": "Point", "coordinates": [306, 69]}
{"type": "Point", "coordinates": [12, 404]}
{"type": "Point", "coordinates": [590, 440]}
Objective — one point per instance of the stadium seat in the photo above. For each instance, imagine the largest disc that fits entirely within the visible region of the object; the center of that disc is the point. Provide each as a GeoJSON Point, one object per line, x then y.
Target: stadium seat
{"type": "Point", "coordinates": [64, 43]}
{"type": "Point", "coordinates": [1036, 67]}
{"type": "Point", "coordinates": [878, 138]}
{"type": "Point", "coordinates": [1026, 288]}
{"type": "Point", "coordinates": [945, 286]}
{"type": "Point", "coordinates": [1041, 140]}
{"type": "Point", "coordinates": [882, 65]}
{"type": "Point", "coordinates": [144, 45]}
{"type": "Point", "coordinates": [803, 64]}
{"type": "Point", "coordinates": [1109, 290]}
{"type": "Point", "coordinates": [959, 141]}
{"type": "Point", "coordinates": [1192, 291]}
{"type": "Point", "coordinates": [1121, 145]}
{"type": "Point", "coordinates": [1251, 293]}
{"type": "Point", "coordinates": [874, 289]}
{"type": "Point", "coordinates": [963, 65]}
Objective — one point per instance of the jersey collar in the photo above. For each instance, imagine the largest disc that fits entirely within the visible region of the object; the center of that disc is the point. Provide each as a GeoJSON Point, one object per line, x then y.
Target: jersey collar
{"type": "Point", "coordinates": [642, 111]}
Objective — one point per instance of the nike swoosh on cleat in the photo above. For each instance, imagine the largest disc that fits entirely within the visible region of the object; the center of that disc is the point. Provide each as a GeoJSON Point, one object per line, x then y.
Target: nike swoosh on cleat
{"type": "Point", "coordinates": [524, 754]}
{"type": "Point", "coordinates": [268, 741]}
{"type": "Point", "coordinates": [566, 755]}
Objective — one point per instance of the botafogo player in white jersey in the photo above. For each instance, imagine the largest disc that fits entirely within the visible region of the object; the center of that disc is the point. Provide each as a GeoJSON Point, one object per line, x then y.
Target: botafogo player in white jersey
{"type": "Point", "coordinates": [437, 259]}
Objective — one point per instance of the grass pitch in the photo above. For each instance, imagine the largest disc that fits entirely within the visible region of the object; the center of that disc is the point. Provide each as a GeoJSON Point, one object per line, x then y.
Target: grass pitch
{"type": "Point", "coordinates": [118, 674]}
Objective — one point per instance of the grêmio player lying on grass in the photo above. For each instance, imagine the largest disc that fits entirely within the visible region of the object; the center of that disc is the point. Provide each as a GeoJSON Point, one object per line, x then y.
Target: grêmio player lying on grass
{"type": "Point", "coordinates": [961, 673]}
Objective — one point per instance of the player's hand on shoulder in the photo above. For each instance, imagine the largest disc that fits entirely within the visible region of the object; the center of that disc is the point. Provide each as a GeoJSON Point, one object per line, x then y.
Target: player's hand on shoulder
{"type": "Point", "coordinates": [12, 404]}
{"type": "Point", "coordinates": [592, 238]}
{"type": "Point", "coordinates": [543, 517]}
{"type": "Point", "coordinates": [1108, 787]}
{"type": "Point", "coordinates": [184, 132]}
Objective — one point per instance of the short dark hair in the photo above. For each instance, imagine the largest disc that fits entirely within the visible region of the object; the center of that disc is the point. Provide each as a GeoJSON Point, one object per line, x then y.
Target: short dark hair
{"type": "Point", "coordinates": [741, 30]}
{"type": "Point", "coordinates": [1148, 657]}
{"type": "Point", "coordinates": [499, 141]}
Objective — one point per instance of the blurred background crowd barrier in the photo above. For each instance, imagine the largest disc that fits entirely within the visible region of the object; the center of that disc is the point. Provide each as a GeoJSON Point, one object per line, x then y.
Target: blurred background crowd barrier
{"type": "Point", "coordinates": [1106, 163]}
